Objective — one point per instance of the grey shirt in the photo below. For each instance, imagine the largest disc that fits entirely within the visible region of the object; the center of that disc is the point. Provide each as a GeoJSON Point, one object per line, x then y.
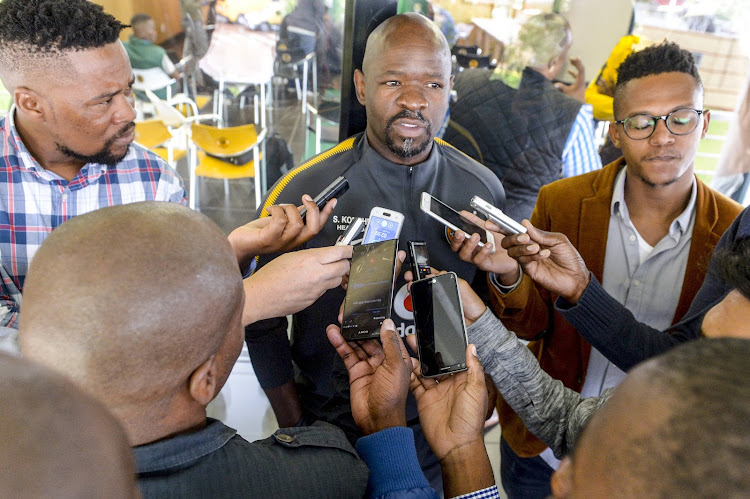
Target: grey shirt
{"type": "Point", "coordinates": [313, 461]}
{"type": "Point", "coordinates": [553, 413]}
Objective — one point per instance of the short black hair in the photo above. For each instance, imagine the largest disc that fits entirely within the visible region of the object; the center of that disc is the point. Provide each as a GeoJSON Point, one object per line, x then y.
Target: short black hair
{"type": "Point", "coordinates": [732, 265]}
{"type": "Point", "coordinates": [52, 26]}
{"type": "Point", "coordinates": [139, 18]}
{"type": "Point", "coordinates": [665, 57]}
{"type": "Point", "coordinates": [702, 447]}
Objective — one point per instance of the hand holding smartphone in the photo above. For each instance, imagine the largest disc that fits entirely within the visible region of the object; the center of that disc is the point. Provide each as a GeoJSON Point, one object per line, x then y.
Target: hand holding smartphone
{"type": "Point", "coordinates": [335, 189]}
{"type": "Point", "coordinates": [439, 323]}
{"type": "Point", "coordinates": [453, 219]}
{"type": "Point", "coordinates": [496, 215]}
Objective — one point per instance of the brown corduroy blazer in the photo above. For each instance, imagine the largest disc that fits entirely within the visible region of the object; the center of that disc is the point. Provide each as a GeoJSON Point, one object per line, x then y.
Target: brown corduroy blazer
{"type": "Point", "coordinates": [579, 207]}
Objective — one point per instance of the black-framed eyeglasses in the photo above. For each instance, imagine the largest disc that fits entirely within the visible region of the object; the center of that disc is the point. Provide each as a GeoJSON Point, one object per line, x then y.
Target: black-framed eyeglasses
{"type": "Point", "coordinates": [679, 122]}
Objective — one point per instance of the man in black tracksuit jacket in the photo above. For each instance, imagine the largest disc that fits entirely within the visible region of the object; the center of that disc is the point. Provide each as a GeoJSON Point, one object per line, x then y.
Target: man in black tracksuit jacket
{"type": "Point", "coordinates": [404, 85]}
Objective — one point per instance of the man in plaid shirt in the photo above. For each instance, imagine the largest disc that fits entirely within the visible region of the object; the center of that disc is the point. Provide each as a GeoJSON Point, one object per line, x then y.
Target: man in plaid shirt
{"type": "Point", "coordinates": [66, 144]}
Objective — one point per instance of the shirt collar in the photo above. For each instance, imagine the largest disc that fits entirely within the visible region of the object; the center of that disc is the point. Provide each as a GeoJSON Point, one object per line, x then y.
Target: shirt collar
{"type": "Point", "coordinates": [182, 449]}
{"type": "Point", "coordinates": [25, 159]}
{"type": "Point", "coordinates": [619, 207]}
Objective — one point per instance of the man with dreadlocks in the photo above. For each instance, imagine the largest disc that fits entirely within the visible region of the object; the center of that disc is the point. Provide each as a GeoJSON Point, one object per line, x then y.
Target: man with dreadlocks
{"type": "Point", "coordinates": [66, 144]}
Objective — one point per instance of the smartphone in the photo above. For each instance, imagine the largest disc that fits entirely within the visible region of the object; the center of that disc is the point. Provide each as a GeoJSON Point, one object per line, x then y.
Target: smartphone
{"type": "Point", "coordinates": [439, 323]}
{"type": "Point", "coordinates": [369, 296]}
{"type": "Point", "coordinates": [334, 190]}
{"type": "Point", "coordinates": [383, 225]}
{"type": "Point", "coordinates": [420, 260]}
{"type": "Point", "coordinates": [351, 232]}
{"type": "Point", "coordinates": [497, 216]}
{"type": "Point", "coordinates": [453, 219]}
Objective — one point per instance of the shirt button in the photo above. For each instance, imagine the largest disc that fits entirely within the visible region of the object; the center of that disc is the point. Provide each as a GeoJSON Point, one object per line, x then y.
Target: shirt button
{"type": "Point", "coordinates": [632, 238]}
{"type": "Point", "coordinates": [283, 437]}
{"type": "Point", "coordinates": [636, 282]}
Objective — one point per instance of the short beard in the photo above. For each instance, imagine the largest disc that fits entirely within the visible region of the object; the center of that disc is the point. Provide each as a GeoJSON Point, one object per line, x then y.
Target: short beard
{"type": "Point", "coordinates": [104, 156]}
{"type": "Point", "coordinates": [409, 149]}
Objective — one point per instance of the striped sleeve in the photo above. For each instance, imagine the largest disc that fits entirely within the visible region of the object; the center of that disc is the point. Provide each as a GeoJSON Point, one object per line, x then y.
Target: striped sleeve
{"type": "Point", "coordinates": [580, 154]}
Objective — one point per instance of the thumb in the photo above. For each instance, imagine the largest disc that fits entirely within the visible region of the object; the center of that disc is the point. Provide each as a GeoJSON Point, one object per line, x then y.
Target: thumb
{"type": "Point", "coordinates": [475, 370]}
{"type": "Point", "coordinates": [394, 348]}
{"type": "Point", "coordinates": [539, 236]}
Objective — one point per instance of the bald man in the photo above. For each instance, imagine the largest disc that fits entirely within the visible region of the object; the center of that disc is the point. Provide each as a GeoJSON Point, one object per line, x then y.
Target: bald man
{"type": "Point", "coordinates": [66, 149]}
{"type": "Point", "coordinates": [678, 426]}
{"type": "Point", "coordinates": [66, 144]}
{"type": "Point", "coordinates": [147, 317]}
{"type": "Point", "coordinates": [404, 84]}
{"type": "Point", "coordinates": [56, 440]}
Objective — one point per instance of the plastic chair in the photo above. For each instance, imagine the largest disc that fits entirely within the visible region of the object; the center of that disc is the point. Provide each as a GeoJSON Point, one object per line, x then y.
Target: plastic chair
{"type": "Point", "coordinates": [153, 79]}
{"type": "Point", "coordinates": [214, 148]}
{"type": "Point", "coordinates": [154, 134]}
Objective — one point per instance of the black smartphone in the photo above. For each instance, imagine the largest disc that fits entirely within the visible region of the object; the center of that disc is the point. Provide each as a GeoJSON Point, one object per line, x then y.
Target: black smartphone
{"type": "Point", "coordinates": [452, 219]}
{"type": "Point", "coordinates": [334, 190]}
{"type": "Point", "coordinates": [420, 260]}
{"type": "Point", "coordinates": [439, 324]}
{"type": "Point", "coordinates": [369, 296]}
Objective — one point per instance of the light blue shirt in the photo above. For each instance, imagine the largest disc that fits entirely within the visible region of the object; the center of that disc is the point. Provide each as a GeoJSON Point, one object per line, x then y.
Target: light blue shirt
{"type": "Point", "coordinates": [580, 154]}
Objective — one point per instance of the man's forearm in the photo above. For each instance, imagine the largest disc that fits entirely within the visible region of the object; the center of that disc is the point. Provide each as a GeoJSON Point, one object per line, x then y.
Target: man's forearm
{"type": "Point", "coordinates": [285, 404]}
{"type": "Point", "coordinates": [543, 403]}
{"type": "Point", "coordinates": [613, 330]}
{"type": "Point", "coordinates": [467, 469]}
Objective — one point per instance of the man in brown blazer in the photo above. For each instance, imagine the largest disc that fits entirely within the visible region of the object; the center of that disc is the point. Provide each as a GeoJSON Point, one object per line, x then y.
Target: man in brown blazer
{"type": "Point", "coordinates": [645, 226]}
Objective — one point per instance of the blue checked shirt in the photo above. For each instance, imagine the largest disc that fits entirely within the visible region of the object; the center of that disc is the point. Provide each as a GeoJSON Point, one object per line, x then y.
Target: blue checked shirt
{"type": "Point", "coordinates": [35, 201]}
{"type": "Point", "coordinates": [580, 154]}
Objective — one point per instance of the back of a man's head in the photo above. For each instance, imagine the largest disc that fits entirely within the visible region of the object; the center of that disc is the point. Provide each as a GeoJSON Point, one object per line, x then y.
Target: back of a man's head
{"type": "Point", "coordinates": [35, 35]}
{"type": "Point", "coordinates": [543, 38]}
{"type": "Point", "coordinates": [129, 300]}
{"type": "Point", "coordinates": [139, 19]}
{"type": "Point", "coordinates": [679, 426]}
{"type": "Point", "coordinates": [666, 57]}
{"type": "Point", "coordinates": [57, 441]}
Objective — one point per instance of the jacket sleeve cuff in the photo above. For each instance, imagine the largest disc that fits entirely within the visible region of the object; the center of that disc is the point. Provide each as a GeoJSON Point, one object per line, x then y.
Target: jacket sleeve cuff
{"type": "Point", "coordinates": [392, 458]}
{"type": "Point", "coordinates": [595, 311]}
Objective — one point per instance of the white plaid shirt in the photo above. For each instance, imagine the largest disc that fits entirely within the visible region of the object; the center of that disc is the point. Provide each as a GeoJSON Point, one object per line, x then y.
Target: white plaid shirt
{"type": "Point", "coordinates": [35, 201]}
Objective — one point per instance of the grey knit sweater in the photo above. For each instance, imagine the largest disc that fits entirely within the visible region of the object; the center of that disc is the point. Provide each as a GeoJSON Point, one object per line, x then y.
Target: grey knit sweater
{"type": "Point", "coordinates": [552, 412]}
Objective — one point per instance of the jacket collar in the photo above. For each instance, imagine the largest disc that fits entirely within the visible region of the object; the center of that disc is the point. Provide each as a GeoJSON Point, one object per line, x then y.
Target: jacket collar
{"type": "Point", "coordinates": [594, 227]}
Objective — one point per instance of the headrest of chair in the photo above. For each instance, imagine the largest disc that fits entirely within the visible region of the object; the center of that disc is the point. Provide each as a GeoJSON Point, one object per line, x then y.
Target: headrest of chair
{"type": "Point", "coordinates": [151, 79]}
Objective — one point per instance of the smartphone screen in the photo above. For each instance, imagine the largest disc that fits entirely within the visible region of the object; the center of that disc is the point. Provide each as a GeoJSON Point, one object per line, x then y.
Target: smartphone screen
{"type": "Point", "coordinates": [381, 229]}
{"type": "Point", "coordinates": [369, 296]}
{"type": "Point", "coordinates": [439, 322]}
{"type": "Point", "coordinates": [454, 218]}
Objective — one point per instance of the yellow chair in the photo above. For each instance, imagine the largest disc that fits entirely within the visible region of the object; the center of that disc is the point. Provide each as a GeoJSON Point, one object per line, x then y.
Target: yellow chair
{"type": "Point", "coordinates": [217, 144]}
{"type": "Point", "coordinates": [153, 134]}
